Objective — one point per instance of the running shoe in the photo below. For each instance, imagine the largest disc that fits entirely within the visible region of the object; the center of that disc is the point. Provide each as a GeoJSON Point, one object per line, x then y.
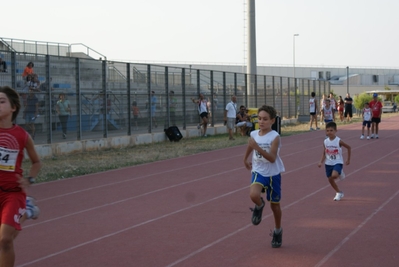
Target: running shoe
{"type": "Point", "coordinates": [372, 136]}
{"type": "Point", "coordinates": [257, 213]}
{"type": "Point", "coordinates": [277, 239]}
{"type": "Point", "coordinates": [368, 137]}
{"type": "Point", "coordinates": [362, 137]}
{"type": "Point", "coordinates": [338, 196]}
{"type": "Point", "coordinates": [32, 210]}
{"type": "Point", "coordinates": [376, 136]}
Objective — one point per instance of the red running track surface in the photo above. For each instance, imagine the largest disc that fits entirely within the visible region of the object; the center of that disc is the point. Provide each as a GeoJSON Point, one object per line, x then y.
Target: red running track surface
{"type": "Point", "coordinates": [194, 211]}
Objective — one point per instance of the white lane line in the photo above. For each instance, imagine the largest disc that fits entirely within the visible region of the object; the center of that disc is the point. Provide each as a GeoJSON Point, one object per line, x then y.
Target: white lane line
{"type": "Point", "coordinates": [285, 207]}
{"type": "Point", "coordinates": [339, 246]}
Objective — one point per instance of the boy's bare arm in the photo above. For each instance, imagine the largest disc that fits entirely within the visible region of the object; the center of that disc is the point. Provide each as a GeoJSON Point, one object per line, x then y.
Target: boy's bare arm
{"type": "Point", "coordinates": [348, 147]}
{"type": "Point", "coordinates": [270, 156]}
{"type": "Point", "coordinates": [323, 157]}
{"type": "Point", "coordinates": [247, 164]}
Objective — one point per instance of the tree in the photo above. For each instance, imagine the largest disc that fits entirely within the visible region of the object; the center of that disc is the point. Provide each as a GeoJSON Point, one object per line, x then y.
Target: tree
{"type": "Point", "coordinates": [361, 99]}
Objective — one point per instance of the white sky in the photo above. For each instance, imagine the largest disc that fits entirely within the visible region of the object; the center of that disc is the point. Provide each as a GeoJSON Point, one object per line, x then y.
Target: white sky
{"type": "Point", "coordinates": [331, 33]}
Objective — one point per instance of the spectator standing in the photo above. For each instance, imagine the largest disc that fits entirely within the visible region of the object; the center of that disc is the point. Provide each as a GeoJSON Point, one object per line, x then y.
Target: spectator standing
{"type": "Point", "coordinates": [3, 65]}
{"type": "Point", "coordinates": [376, 108]}
{"type": "Point", "coordinates": [31, 112]}
{"type": "Point", "coordinates": [313, 111]}
{"type": "Point", "coordinates": [136, 114]}
{"type": "Point", "coordinates": [341, 108]}
{"type": "Point", "coordinates": [366, 114]}
{"type": "Point", "coordinates": [15, 205]}
{"type": "Point", "coordinates": [230, 114]}
{"type": "Point", "coordinates": [28, 70]}
{"type": "Point", "coordinates": [348, 108]}
{"type": "Point", "coordinates": [322, 105]}
{"type": "Point", "coordinates": [203, 112]}
{"type": "Point", "coordinates": [63, 109]}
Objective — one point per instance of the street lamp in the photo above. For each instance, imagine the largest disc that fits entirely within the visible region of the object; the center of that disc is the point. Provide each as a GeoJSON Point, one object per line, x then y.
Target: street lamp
{"type": "Point", "coordinates": [296, 34]}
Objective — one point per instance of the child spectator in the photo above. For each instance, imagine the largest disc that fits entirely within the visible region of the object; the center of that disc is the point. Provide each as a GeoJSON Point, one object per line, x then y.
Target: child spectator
{"type": "Point", "coordinates": [28, 70]}
{"type": "Point", "coordinates": [15, 205]}
{"type": "Point", "coordinates": [333, 158]}
{"type": "Point", "coordinates": [266, 168]}
{"type": "Point", "coordinates": [366, 114]}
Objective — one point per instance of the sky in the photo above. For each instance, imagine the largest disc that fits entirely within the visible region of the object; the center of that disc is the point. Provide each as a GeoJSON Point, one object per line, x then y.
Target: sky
{"type": "Point", "coordinates": [335, 33]}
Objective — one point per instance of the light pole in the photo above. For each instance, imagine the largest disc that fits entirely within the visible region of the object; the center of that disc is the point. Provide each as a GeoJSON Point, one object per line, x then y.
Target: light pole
{"type": "Point", "coordinates": [295, 35]}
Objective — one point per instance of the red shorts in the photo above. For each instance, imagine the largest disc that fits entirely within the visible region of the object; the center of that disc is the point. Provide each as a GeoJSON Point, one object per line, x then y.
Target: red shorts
{"type": "Point", "coordinates": [13, 207]}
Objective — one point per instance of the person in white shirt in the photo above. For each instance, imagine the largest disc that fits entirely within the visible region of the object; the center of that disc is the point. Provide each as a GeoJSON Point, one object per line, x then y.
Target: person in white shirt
{"type": "Point", "coordinates": [202, 111]}
{"type": "Point", "coordinates": [230, 114]}
{"type": "Point", "coordinates": [313, 111]}
{"type": "Point", "coordinates": [333, 158]}
{"type": "Point", "coordinates": [366, 114]}
{"type": "Point", "coordinates": [266, 168]}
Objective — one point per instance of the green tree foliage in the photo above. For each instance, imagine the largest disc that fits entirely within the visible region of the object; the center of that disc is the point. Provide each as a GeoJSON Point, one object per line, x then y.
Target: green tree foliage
{"type": "Point", "coordinates": [361, 99]}
{"type": "Point", "coordinates": [396, 99]}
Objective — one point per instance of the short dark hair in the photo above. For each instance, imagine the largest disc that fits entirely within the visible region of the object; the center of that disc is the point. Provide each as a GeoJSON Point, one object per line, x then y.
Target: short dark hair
{"type": "Point", "coordinates": [313, 94]}
{"type": "Point", "coordinates": [270, 110]}
{"type": "Point", "coordinates": [13, 97]}
{"type": "Point", "coordinates": [331, 124]}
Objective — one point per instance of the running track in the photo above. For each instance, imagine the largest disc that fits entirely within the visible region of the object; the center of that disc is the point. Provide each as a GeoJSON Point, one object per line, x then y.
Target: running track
{"type": "Point", "coordinates": [194, 211]}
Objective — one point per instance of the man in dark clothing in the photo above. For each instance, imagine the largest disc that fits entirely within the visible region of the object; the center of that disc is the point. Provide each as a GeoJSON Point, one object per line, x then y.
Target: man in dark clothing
{"type": "Point", "coordinates": [348, 107]}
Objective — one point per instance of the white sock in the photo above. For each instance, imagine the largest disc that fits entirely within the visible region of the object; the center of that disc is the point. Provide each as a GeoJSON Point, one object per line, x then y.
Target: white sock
{"type": "Point", "coordinates": [277, 231]}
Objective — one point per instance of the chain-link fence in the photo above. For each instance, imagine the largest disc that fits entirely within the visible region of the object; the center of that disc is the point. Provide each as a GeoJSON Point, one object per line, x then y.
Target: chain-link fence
{"type": "Point", "coordinates": [115, 98]}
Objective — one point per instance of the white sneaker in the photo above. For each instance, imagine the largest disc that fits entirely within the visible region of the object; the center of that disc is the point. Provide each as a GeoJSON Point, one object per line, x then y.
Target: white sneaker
{"type": "Point", "coordinates": [342, 175]}
{"type": "Point", "coordinates": [362, 137]}
{"type": "Point", "coordinates": [311, 129]}
{"type": "Point", "coordinates": [338, 196]}
{"type": "Point", "coordinates": [376, 136]}
{"type": "Point", "coordinates": [372, 136]}
{"type": "Point", "coordinates": [368, 137]}
{"type": "Point", "coordinates": [32, 211]}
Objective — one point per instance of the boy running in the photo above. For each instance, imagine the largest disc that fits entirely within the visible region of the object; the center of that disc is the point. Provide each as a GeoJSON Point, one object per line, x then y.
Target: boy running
{"type": "Point", "coordinates": [332, 156]}
{"type": "Point", "coordinates": [266, 167]}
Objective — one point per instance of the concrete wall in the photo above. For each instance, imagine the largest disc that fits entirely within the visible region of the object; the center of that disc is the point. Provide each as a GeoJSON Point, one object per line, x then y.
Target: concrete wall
{"type": "Point", "coordinates": [64, 148]}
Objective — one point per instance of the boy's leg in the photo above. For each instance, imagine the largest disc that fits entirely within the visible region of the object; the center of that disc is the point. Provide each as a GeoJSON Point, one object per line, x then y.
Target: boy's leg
{"type": "Point", "coordinates": [255, 192]}
{"type": "Point", "coordinates": [278, 231]}
{"type": "Point", "coordinates": [7, 254]}
{"type": "Point", "coordinates": [277, 213]}
{"type": "Point", "coordinates": [332, 178]}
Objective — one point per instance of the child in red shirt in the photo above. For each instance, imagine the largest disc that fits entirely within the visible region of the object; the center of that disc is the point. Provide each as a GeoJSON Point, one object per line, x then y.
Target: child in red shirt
{"type": "Point", "coordinates": [15, 207]}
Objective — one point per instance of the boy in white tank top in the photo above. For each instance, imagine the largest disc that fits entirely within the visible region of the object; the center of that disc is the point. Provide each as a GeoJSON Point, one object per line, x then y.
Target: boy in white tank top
{"type": "Point", "coordinates": [366, 114]}
{"type": "Point", "coordinates": [266, 168]}
{"type": "Point", "coordinates": [333, 158]}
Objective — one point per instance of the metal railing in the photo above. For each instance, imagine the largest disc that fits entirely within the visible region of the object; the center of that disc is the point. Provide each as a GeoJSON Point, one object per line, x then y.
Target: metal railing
{"type": "Point", "coordinates": [102, 94]}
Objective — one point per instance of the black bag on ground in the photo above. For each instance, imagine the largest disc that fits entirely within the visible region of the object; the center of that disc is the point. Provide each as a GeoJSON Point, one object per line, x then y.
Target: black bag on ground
{"type": "Point", "coordinates": [277, 125]}
{"type": "Point", "coordinates": [173, 133]}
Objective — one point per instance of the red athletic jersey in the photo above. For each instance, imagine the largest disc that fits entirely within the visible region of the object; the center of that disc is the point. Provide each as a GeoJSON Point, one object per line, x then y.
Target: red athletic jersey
{"type": "Point", "coordinates": [12, 145]}
{"type": "Point", "coordinates": [376, 108]}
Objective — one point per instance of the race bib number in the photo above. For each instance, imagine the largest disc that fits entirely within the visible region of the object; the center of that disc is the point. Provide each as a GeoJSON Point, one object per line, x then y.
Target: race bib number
{"type": "Point", "coordinates": [8, 159]}
{"type": "Point", "coordinates": [258, 157]}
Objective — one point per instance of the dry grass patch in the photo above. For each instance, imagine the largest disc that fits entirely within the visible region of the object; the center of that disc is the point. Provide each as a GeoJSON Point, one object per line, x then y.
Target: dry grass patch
{"type": "Point", "coordinates": [67, 166]}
